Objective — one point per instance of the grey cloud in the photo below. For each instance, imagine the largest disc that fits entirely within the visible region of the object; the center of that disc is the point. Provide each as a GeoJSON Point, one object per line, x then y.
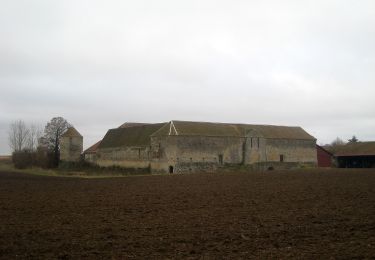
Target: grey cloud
{"type": "Point", "coordinates": [98, 64]}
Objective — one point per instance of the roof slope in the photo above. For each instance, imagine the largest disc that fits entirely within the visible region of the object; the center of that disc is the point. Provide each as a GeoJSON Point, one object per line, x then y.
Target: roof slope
{"type": "Point", "coordinates": [131, 124]}
{"type": "Point", "coordinates": [324, 149]}
{"type": "Point", "coordinates": [198, 128]}
{"type": "Point", "coordinates": [93, 148]}
{"type": "Point", "coordinates": [71, 132]}
{"type": "Point", "coordinates": [356, 149]}
{"type": "Point", "coordinates": [129, 136]}
{"type": "Point", "coordinates": [239, 130]}
{"type": "Point", "coordinates": [280, 132]}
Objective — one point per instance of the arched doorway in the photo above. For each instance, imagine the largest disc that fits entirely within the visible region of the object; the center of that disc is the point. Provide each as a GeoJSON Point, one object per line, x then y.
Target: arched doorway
{"type": "Point", "coordinates": [171, 169]}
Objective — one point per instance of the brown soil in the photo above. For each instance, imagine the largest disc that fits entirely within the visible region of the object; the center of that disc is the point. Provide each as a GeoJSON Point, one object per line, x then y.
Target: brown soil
{"type": "Point", "coordinates": [297, 214]}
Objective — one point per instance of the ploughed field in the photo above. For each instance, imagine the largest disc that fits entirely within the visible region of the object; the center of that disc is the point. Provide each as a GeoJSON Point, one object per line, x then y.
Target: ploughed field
{"type": "Point", "coordinates": [296, 214]}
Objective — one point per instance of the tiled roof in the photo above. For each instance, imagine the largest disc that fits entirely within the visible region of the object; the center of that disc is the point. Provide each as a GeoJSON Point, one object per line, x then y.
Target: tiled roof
{"type": "Point", "coordinates": [222, 129]}
{"type": "Point", "coordinates": [138, 134]}
{"type": "Point", "coordinates": [131, 124]}
{"type": "Point", "coordinates": [356, 149]}
{"type": "Point", "coordinates": [71, 132]}
{"type": "Point", "coordinates": [93, 148]}
{"type": "Point", "coordinates": [129, 136]}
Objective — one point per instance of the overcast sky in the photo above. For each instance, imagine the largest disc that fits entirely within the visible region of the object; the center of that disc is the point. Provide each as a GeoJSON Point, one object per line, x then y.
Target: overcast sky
{"type": "Point", "coordinates": [102, 63]}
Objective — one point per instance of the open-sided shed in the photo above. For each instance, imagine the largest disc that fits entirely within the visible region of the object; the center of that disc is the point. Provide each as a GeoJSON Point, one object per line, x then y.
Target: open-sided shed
{"type": "Point", "coordinates": [356, 155]}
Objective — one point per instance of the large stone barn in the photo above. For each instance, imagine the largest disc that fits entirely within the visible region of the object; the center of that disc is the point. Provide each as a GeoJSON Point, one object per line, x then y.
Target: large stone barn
{"type": "Point", "coordinates": [180, 146]}
{"type": "Point", "coordinates": [356, 155]}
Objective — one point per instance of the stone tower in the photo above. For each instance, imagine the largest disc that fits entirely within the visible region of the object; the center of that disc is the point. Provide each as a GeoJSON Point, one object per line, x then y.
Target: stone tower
{"type": "Point", "coordinates": [71, 145]}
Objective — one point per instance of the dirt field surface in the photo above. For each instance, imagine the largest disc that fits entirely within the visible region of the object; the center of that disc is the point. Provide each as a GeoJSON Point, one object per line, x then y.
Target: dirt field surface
{"type": "Point", "coordinates": [297, 214]}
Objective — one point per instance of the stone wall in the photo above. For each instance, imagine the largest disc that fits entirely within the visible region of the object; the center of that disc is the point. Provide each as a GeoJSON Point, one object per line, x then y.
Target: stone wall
{"type": "Point", "coordinates": [90, 157]}
{"type": "Point", "coordinates": [254, 150]}
{"type": "Point", "coordinates": [206, 154]}
{"type": "Point", "coordinates": [282, 150]}
{"type": "Point", "coordinates": [127, 157]}
{"type": "Point", "coordinates": [198, 151]}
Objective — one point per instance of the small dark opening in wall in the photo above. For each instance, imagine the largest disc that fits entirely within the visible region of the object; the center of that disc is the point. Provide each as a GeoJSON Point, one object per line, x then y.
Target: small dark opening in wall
{"type": "Point", "coordinates": [281, 157]}
{"type": "Point", "coordinates": [221, 159]}
{"type": "Point", "coordinates": [171, 169]}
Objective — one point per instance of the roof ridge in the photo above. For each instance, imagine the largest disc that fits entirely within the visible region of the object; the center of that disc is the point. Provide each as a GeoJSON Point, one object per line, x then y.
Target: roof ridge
{"type": "Point", "coordinates": [236, 124]}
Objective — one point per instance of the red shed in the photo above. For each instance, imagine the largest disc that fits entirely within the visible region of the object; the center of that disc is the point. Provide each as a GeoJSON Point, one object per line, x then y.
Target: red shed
{"type": "Point", "coordinates": [324, 157]}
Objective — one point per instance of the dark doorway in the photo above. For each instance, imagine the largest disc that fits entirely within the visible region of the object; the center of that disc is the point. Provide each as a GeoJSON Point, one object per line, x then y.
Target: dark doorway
{"type": "Point", "coordinates": [281, 157]}
{"type": "Point", "coordinates": [171, 169]}
{"type": "Point", "coordinates": [221, 161]}
{"type": "Point", "coordinates": [356, 161]}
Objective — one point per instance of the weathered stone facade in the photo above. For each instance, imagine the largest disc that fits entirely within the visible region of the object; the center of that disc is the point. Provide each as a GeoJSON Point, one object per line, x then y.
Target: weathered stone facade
{"type": "Point", "coordinates": [127, 157]}
{"type": "Point", "coordinates": [193, 146]}
{"type": "Point", "coordinates": [187, 154]}
{"type": "Point", "coordinates": [71, 145]}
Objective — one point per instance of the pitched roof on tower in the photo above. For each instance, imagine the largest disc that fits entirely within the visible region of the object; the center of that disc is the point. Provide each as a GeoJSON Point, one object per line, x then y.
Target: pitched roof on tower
{"type": "Point", "coordinates": [71, 132]}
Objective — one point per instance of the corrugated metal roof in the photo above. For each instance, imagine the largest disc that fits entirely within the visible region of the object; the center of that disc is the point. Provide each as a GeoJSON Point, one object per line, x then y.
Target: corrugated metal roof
{"type": "Point", "coordinates": [71, 132]}
{"type": "Point", "coordinates": [356, 149]}
{"type": "Point", "coordinates": [223, 129]}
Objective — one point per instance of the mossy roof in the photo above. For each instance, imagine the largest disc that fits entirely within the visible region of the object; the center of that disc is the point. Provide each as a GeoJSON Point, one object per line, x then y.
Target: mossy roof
{"type": "Point", "coordinates": [356, 149]}
{"type": "Point", "coordinates": [130, 136]}
{"type": "Point", "coordinates": [139, 134]}
{"type": "Point", "coordinates": [236, 130]}
{"type": "Point", "coordinates": [71, 132]}
{"type": "Point", "coordinates": [131, 124]}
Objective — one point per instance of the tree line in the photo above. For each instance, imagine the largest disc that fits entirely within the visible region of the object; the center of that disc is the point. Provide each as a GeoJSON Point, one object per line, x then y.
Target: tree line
{"type": "Point", "coordinates": [32, 146]}
{"type": "Point", "coordinates": [335, 145]}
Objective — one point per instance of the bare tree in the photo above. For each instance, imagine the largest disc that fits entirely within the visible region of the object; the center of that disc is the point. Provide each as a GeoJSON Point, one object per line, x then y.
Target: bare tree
{"type": "Point", "coordinates": [338, 141]}
{"type": "Point", "coordinates": [35, 133]}
{"type": "Point", "coordinates": [18, 135]}
{"type": "Point", "coordinates": [52, 133]}
{"type": "Point", "coordinates": [336, 144]}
